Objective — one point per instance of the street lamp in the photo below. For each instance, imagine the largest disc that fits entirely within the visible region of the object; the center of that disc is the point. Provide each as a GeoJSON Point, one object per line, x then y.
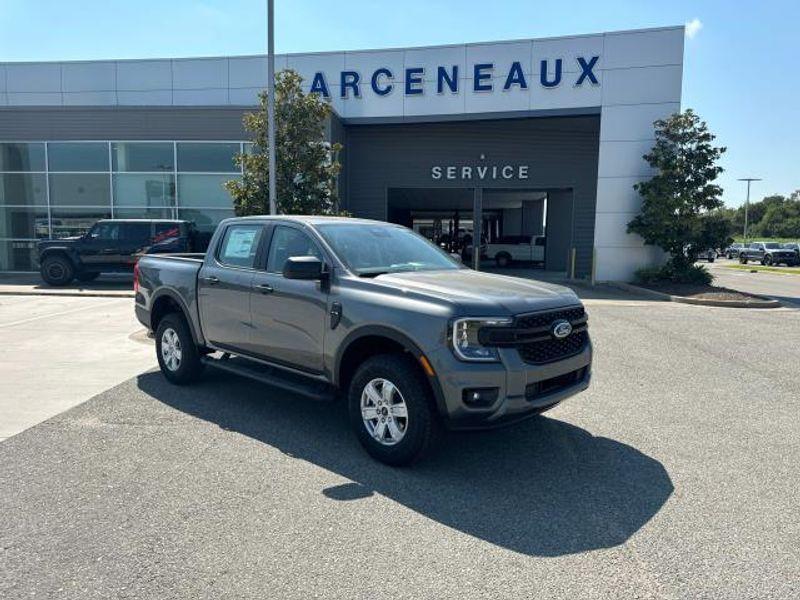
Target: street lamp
{"type": "Point", "coordinates": [749, 180]}
{"type": "Point", "coordinates": [271, 105]}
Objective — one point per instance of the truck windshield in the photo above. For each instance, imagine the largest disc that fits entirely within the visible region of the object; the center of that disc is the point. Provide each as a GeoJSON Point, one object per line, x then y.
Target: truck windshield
{"type": "Point", "coordinates": [772, 245]}
{"type": "Point", "coordinates": [372, 250]}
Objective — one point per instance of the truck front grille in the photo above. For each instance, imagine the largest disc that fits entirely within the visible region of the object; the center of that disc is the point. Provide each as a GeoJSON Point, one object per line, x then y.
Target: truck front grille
{"type": "Point", "coordinates": [539, 353]}
{"type": "Point", "coordinates": [542, 347]}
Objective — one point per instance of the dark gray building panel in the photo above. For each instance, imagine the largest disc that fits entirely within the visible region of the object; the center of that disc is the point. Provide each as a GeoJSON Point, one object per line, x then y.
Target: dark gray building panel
{"type": "Point", "coordinates": [122, 123]}
{"type": "Point", "coordinates": [561, 153]}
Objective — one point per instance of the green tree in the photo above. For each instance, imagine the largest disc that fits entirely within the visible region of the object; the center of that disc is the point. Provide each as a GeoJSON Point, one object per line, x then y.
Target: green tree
{"type": "Point", "coordinates": [678, 200]}
{"type": "Point", "coordinates": [306, 163]}
{"type": "Point", "coordinates": [777, 216]}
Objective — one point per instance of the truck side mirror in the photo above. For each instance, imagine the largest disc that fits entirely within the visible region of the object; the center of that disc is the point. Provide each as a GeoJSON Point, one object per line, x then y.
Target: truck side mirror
{"type": "Point", "coordinates": [303, 267]}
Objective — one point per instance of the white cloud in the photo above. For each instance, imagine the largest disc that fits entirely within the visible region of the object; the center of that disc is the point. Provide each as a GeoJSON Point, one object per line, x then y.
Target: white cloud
{"type": "Point", "coordinates": [693, 27]}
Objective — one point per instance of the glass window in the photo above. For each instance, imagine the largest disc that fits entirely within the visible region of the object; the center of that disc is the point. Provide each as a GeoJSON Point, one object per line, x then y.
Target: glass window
{"type": "Point", "coordinates": [23, 222]}
{"type": "Point", "coordinates": [144, 190]}
{"type": "Point", "coordinates": [143, 156]}
{"type": "Point", "coordinates": [370, 250]}
{"type": "Point", "coordinates": [22, 157]}
{"type": "Point", "coordinates": [215, 157]}
{"type": "Point", "coordinates": [18, 255]}
{"type": "Point", "coordinates": [105, 231]}
{"type": "Point", "coordinates": [205, 220]}
{"type": "Point", "coordinates": [135, 232]}
{"type": "Point", "coordinates": [239, 246]}
{"type": "Point", "coordinates": [79, 190]}
{"type": "Point", "coordinates": [166, 231]}
{"type": "Point", "coordinates": [70, 222]}
{"type": "Point", "coordinates": [23, 188]}
{"type": "Point", "coordinates": [204, 191]}
{"type": "Point", "coordinates": [288, 242]}
{"type": "Point", "coordinates": [142, 213]}
{"type": "Point", "coordinates": [77, 156]}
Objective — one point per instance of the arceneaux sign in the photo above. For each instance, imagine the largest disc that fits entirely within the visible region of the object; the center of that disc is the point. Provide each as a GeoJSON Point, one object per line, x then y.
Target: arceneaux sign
{"type": "Point", "coordinates": [381, 80]}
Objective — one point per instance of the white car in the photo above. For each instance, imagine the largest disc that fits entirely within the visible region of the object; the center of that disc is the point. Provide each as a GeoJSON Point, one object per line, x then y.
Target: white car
{"type": "Point", "coordinates": [526, 248]}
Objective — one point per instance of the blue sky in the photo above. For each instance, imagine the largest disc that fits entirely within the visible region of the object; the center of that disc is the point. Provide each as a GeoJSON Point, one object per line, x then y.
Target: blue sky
{"type": "Point", "coordinates": [740, 72]}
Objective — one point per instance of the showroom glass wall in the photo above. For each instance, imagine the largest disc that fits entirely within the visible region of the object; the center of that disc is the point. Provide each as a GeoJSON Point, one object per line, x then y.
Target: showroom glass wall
{"type": "Point", "coordinates": [59, 189]}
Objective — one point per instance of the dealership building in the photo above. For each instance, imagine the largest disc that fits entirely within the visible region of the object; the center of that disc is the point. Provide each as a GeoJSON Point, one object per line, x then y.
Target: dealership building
{"type": "Point", "coordinates": [536, 137]}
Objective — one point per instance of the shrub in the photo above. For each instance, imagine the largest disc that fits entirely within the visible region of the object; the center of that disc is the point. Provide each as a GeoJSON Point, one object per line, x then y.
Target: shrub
{"type": "Point", "coordinates": [693, 275]}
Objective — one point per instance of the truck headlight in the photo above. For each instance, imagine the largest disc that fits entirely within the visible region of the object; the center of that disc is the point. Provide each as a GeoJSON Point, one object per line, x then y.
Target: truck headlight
{"type": "Point", "coordinates": [466, 344]}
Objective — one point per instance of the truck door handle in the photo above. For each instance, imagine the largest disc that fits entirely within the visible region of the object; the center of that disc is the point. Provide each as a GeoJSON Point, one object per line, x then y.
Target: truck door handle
{"type": "Point", "coordinates": [211, 280]}
{"type": "Point", "coordinates": [264, 288]}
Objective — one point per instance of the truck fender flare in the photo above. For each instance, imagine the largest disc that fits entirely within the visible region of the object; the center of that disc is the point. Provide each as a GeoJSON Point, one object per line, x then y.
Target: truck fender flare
{"type": "Point", "coordinates": [175, 297]}
{"type": "Point", "coordinates": [396, 336]}
{"type": "Point", "coordinates": [66, 250]}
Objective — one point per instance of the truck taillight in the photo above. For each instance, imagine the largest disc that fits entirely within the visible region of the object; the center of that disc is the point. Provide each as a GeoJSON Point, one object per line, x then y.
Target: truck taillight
{"type": "Point", "coordinates": [136, 276]}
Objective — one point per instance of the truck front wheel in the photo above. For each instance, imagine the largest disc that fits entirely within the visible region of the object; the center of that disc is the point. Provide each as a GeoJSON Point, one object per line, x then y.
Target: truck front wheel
{"type": "Point", "coordinates": [57, 270]}
{"type": "Point", "coordinates": [176, 351]}
{"type": "Point", "coordinates": [392, 411]}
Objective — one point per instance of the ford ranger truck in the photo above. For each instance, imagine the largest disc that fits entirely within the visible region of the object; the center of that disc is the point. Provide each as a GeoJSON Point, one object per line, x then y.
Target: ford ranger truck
{"type": "Point", "coordinates": [327, 306]}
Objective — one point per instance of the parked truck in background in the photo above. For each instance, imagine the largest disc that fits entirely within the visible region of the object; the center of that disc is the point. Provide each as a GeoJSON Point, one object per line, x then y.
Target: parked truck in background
{"type": "Point", "coordinates": [517, 248]}
{"type": "Point", "coordinates": [768, 253]}
{"type": "Point", "coordinates": [321, 306]}
{"type": "Point", "coordinates": [112, 246]}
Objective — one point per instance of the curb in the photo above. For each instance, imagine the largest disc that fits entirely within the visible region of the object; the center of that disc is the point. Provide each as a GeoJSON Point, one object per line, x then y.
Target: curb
{"type": "Point", "coordinates": [764, 302]}
{"type": "Point", "coordinates": [76, 294]}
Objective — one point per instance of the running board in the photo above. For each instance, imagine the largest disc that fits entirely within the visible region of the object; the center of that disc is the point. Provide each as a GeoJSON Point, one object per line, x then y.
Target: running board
{"type": "Point", "coordinates": [278, 378]}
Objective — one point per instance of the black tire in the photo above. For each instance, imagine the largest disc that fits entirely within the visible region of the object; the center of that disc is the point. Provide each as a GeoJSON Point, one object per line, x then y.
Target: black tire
{"type": "Point", "coordinates": [189, 368]}
{"type": "Point", "coordinates": [743, 260]}
{"type": "Point", "coordinates": [422, 428]}
{"type": "Point", "coordinates": [84, 277]}
{"type": "Point", "coordinates": [767, 260]}
{"type": "Point", "coordinates": [712, 259]}
{"type": "Point", "coordinates": [57, 270]}
{"type": "Point", "coordinates": [502, 260]}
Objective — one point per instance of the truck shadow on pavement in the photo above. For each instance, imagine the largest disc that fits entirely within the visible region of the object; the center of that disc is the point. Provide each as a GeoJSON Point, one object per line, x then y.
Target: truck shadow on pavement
{"type": "Point", "coordinates": [542, 487]}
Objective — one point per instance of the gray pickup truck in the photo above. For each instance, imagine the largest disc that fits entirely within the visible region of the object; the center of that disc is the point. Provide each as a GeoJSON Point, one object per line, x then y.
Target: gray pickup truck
{"type": "Point", "coordinates": [326, 306]}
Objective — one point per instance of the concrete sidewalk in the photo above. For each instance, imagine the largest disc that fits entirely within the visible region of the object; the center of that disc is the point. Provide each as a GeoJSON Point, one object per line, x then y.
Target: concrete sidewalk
{"type": "Point", "coordinates": [61, 351]}
{"type": "Point", "coordinates": [31, 284]}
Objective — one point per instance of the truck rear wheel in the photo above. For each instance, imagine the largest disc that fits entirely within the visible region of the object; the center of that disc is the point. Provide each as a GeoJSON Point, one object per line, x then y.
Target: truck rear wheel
{"type": "Point", "coordinates": [392, 411]}
{"type": "Point", "coordinates": [176, 351]}
{"type": "Point", "coordinates": [57, 270]}
{"type": "Point", "coordinates": [502, 260]}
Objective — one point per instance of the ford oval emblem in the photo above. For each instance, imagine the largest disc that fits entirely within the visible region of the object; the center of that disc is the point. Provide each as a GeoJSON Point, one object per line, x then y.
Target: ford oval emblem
{"type": "Point", "coordinates": [561, 329]}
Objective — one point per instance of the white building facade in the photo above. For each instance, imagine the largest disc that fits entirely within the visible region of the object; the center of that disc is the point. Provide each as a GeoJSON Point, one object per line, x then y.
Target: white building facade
{"type": "Point", "coordinates": [554, 129]}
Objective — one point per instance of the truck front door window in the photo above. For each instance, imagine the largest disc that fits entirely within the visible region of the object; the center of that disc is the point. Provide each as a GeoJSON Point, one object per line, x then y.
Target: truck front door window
{"type": "Point", "coordinates": [288, 242]}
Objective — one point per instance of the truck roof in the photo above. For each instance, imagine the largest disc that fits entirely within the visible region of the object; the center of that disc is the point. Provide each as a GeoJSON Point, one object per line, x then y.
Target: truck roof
{"type": "Point", "coordinates": [309, 219]}
{"type": "Point", "coordinates": [143, 220]}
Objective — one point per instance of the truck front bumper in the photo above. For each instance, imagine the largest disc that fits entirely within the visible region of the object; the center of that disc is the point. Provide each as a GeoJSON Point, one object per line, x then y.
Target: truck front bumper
{"type": "Point", "coordinates": [523, 390]}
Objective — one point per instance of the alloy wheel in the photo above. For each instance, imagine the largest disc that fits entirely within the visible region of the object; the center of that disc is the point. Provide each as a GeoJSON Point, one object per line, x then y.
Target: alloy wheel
{"type": "Point", "coordinates": [384, 412]}
{"type": "Point", "coordinates": [171, 351]}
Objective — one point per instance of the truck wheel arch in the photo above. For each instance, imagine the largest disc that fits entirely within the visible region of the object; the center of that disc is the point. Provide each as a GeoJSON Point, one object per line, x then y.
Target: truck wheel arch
{"type": "Point", "coordinates": [58, 251]}
{"type": "Point", "coordinates": [372, 340]}
{"type": "Point", "coordinates": [165, 303]}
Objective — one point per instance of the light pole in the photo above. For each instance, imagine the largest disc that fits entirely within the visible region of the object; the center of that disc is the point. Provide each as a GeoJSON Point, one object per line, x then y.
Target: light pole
{"type": "Point", "coordinates": [271, 105]}
{"type": "Point", "coordinates": [749, 180]}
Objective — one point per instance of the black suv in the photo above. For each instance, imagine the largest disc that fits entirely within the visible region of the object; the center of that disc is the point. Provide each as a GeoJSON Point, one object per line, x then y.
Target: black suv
{"type": "Point", "coordinates": [112, 246]}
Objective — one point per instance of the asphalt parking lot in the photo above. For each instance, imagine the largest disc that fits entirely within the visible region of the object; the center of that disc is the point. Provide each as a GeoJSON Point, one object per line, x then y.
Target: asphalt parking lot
{"type": "Point", "coordinates": [781, 286]}
{"type": "Point", "coordinates": [674, 476]}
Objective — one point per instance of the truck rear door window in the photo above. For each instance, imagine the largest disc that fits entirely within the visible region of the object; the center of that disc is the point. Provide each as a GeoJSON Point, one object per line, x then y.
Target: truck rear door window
{"type": "Point", "coordinates": [240, 245]}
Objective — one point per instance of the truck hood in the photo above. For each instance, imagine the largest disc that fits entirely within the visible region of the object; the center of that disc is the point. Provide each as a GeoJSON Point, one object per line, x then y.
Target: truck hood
{"type": "Point", "coordinates": [58, 242]}
{"type": "Point", "coordinates": [482, 293]}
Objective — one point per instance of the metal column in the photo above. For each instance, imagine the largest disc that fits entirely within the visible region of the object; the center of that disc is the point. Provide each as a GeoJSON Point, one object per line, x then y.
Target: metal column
{"type": "Point", "coordinates": [477, 227]}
